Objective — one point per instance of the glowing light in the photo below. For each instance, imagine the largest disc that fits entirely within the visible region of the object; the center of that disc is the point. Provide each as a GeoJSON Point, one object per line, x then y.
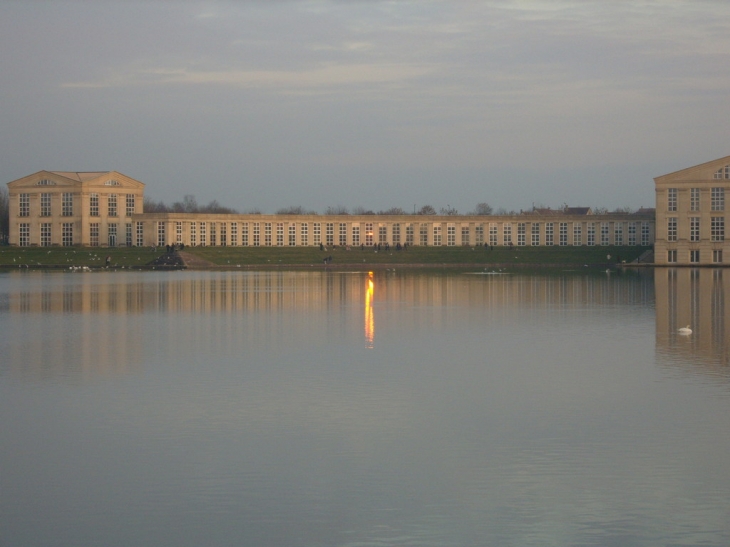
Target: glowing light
{"type": "Point", "coordinates": [369, 316]}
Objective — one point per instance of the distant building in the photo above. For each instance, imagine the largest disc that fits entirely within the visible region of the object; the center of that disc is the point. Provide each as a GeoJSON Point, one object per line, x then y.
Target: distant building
{"type": "Point", "coordinates": [690, 215]}
{"type": "Point", "coordinates": [105, 209]}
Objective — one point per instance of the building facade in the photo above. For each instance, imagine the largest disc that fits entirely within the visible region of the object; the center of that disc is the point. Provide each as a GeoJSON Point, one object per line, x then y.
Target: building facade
{"type": "Point", "coordinates": [691, 215]}
{"type": "Point", "coordinates": [74, 208]}
{"type": "Point", "coordinates": [105, 209]}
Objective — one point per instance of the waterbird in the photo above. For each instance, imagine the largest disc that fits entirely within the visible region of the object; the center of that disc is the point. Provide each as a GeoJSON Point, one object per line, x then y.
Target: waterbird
{"type": "Point", "coordinates": [685, 330]}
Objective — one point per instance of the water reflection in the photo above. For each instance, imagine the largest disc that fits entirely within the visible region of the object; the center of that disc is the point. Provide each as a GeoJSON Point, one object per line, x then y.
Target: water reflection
{"type": "Point", "coordinates": [369, 316]}
{"type": "Point", "coordinates": [695, 297]}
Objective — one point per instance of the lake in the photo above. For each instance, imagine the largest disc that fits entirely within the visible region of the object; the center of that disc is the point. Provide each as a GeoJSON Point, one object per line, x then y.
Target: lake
{"type": "Point", "coordinates": [348, 409]}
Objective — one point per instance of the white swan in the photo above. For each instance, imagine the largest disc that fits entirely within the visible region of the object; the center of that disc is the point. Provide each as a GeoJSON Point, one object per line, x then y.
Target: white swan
{"type": "Point", "coordinates": [685, 330]}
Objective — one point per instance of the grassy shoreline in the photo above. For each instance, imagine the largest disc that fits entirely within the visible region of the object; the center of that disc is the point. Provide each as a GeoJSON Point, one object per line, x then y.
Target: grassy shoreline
{"type": "Point", "coordinates": [307, 257]}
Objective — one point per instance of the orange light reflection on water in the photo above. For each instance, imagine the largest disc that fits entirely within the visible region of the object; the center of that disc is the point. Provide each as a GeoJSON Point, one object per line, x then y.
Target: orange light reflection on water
{"type": "Point", "coordinates": [369, 317]}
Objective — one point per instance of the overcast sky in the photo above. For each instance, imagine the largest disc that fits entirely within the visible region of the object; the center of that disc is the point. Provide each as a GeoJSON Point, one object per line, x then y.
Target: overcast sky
{"type": "Point", "coordinates": [270, 103]}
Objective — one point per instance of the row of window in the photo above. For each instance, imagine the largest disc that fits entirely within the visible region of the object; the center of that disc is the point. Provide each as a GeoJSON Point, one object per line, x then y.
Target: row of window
{"type": "Point", "coordinates": [717, 199]}
{"type": "Point", "coordinates": [45, 234]}
{"type": "Point", "coordinates": [67, 205]}
{"type": "Point", "coordinates": [694, 256]}
{"type": "Point", "coordinates": [280, 234]}
{"type": "Point", "coordinates": [67, 234]}
{"type": "Point", "coordinates": [717, 229]}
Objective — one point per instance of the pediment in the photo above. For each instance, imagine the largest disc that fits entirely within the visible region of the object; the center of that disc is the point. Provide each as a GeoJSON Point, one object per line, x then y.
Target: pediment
{"type": "Point", "coordinates": [714, 170]}
{"type": "Point", "coordinates": [43, 178]}
{"type": "Point", "coordinates": [77, 179]}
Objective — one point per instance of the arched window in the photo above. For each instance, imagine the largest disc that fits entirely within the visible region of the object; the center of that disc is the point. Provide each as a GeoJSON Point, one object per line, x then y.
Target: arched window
{"type": "Point", "coordinates": [723, 173]}
{"type": "Point", "coordinates": [45, 182]}
{"type": "Point", "coordinates": [112, 183]}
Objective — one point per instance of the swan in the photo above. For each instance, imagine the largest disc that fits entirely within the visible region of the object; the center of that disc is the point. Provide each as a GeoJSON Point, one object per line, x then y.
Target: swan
{"type": "Point", "coordinates": [685, 330]}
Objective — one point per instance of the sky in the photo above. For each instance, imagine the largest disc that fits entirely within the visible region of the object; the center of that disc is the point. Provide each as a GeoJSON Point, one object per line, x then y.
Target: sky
{"type": "Point", "coordinates": [266, 104]}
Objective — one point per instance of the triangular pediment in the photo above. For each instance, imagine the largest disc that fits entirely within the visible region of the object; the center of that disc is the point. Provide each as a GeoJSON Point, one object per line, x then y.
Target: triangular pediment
{"type": "Point", "coordinates": [717, 170]}
{"type": "Point", "coordinates": [43, 178]}
{"type": "Point", "coordinates": [79, 179]}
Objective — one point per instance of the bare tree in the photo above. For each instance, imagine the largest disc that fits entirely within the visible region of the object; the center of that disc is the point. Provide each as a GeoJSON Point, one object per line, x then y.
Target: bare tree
{"type": "Point", "coordinates": [449, 210]}
{"type": "Point", "coordinates": [336, 210]}
{"type": "Point", "coordinates": [291, 210]}
{"type": "Point", "coordinates": [152, 206]}
{"type": "Point", "coordinates": [483, 209]}
{"type": "Point", "coordinates": [362, 211]}
{"type": "Point", "coordinates": [427, 210]}
{"type": "Point", "coordinates": [393, 211]}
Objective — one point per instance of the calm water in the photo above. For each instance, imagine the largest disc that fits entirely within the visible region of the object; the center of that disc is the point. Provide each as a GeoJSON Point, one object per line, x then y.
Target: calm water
{"type": "Point", "coordinates": [337, 409]}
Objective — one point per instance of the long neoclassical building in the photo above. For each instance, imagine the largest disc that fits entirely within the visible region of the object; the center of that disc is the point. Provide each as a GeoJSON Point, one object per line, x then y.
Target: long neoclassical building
{"type": "Point", "coordinates": [105, 209]}
{"type": "Point", "coordinates": [691, 213]}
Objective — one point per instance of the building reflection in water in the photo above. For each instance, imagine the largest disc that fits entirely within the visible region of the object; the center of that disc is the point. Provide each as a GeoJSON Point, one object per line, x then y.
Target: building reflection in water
{"type": "Point", "coordinates": [71, 325]}
{"type": "Point", "coordinates": [695, 297]}
{"type": "Point", "coordinates": [369, 317]}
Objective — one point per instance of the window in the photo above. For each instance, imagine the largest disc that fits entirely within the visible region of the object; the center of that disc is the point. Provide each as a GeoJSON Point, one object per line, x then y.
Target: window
{"type": "Point", "coordinates": [423, 234]}
{"type": "Point", "coordinates": [632, 233]}
{"type": "Point", "coordinates": [304, 233]}
{"type": "Point", "coordinates": [45, 205]}
{"type": "Point", "coordinates": [224, 234]}
{"type": "Point", "coordinates": [396, 234]}
{"type": "Point", "coordinates": [356, 235]}
{"type": "Point", "coordinates": [723, 172]}
{"type": "Point", "coordinates": [343, 233]}
{"type": "Point", "coordinates": [112, 235]}
{"type": "Point", "coordinates": [178, 232]}
{"type": "Point", "coordinates": [694, 228]}
{"type": "Point", "coordinates": [549, 234]}
{"type": "Point", "coordinates": [45, 182]}
{"type": "Point", "coordinates": [161, 234]}
{"type": "Point", "coordinates": [694, 256]}
{"type": "Point", "coordinates": [563, 227]}
{"type": "Point", "coordinates": [130, 205]}
{"type": "Point", "coordinates": [604, 233]}
{"type": "Point", "coordinates": [717, 256]}
{"type": "Point", "coordinates": [112, 203]}
{"type": "Point", "coordinates": [112, 183]}
{"type": "Point", "coordinates": [94, 234]}
{"type": "Point", "coordinates": [317, 233]}
{"type": "Point", "coordinates": [292, 234]}
{"type": "Point", "coordinates": [382, 234]}
{"type": "Point", "coordinates": [671, 199]}
{"type": "Point", "coordinates": [204, 234]}
{"type": "Point", "coordinates": [645, 234]}
{"type": "Point", "coordinates": [437, 235]}
{"type": "Point", "coordinates": [93, 205]}
{"type": "Point", "coordinates": [67, 204]}
{"type": "Point", "coordinates": [267, 234]}
{"type": "Point", "coordinates": [521, 227]}
{"type": "Point", "coordinates": [67, 234]}
{"type": "Point", "coordinates": [479, 234]}
{"type": "Point", "coordinates": [450, 235]}
{"type": "Point", "coordinates": [507, 234]}
{"type": "Point", "coordinates": [672, 256]}
{"type": "Point", "coordinates": [694, 199]}
{"type": "Point", "coordinates": [717, 228]}
{"type": "Point", "coordinates": [140, 234]}
{"type": "Point", "coordinates": [368, 233]}
{"type": "Point", "coordinates": [244, 234]}
{"type": "Point", "coordinates": [465, 235]}
{"type": "Point", "coordinates": [618, 233]}
{"type": "Point", "coordinates": [24, 205]}
{"type": "Point", "coordinates": [672, 229]}
{"type": "Point", "coordinates": [257, 234]}
{"type": "Point", "coordinates": [535, 229]}
{"type": "Point", "coordinates": [591, 234]}
{"type": "Point", "coordinates": [577, 234]}
{"type": "Point", "coordinates": [717, 197]}
{"type": "Point", "coordinates": [409, 234]}
{"type": "Point", "coordinates": [46, 234]}
{"type": "Point", "coordinates": [128, 234]}
{"type": "Point", "coordinates": [24, 234]}
{"type": "Point", "coordinates": [214, 234]}
{"type": "Point", "coordinates": [280, 234]}
{"type": "Point", "coordinates": [329, 233]}
{"type": "Point", "coordinates": [234, 234]}
{"type": "Point", "coordinates": [193, 233]}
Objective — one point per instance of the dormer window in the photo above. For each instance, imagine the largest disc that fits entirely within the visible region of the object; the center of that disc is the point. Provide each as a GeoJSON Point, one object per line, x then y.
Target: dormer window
{"type": "Point", "coordinates": [723, 173]}
{"type": "Point", "coordinates": [45, 182]}
{"type": "Point", "coordinates": [112, 183]}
